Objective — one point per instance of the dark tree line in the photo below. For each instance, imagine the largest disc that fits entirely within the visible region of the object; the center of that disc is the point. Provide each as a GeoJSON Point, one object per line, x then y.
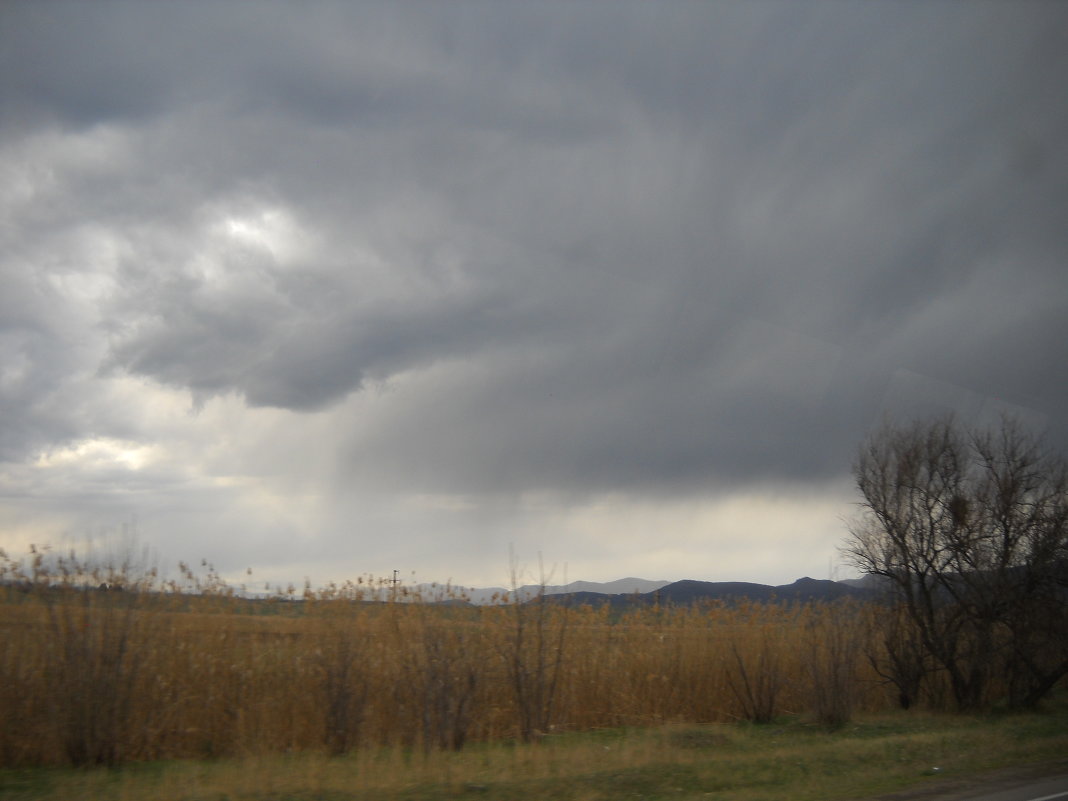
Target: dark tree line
{"type": "Point", "coordinates": [969, 528]}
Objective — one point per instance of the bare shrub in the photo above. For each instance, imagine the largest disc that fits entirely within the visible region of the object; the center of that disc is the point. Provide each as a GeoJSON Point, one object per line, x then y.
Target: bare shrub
{"type": "Point", "coordinates": [532, 650]}
{"type": "Point", "coordinates": [444, 665]}
{"type": "Point", "coordinates": [95, 652]}
{"type": "Point", "coordinates": [755, 677]}
{"type": "Point", "coordinates": [339, 664]}
{"type": "Point", "coordinates": [895, 651]}
{"type": "Point", "coordinates": [835, 638]}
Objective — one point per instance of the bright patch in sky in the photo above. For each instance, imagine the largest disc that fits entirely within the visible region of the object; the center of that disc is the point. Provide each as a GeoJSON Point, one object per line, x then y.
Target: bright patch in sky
{"type": "Point", "coordinates": [268, 229]}
{"type": "Point", "coordinates": [92, 454]}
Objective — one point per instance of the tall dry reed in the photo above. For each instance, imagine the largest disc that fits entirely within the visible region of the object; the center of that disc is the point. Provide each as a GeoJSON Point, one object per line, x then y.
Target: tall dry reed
{"type": "Point", "coordinates": [188, 669]}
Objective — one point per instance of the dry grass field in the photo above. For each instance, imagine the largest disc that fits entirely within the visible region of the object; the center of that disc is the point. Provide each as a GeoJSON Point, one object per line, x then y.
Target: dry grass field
{"type": "Point", "coordinates": [364, 690]}
{"type": "Point", "coordinates": [93, 676]}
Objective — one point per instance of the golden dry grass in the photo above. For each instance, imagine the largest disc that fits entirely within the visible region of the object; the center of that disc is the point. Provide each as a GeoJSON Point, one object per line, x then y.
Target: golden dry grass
{"type": "Point", "coordinates": [188, 671]}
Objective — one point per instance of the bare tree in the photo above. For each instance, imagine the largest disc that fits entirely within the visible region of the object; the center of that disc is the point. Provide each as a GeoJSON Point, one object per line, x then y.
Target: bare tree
{"type": "Point", "coordinates": [970, 528]}
{"type": "Point", "coordinates": [533, 655]}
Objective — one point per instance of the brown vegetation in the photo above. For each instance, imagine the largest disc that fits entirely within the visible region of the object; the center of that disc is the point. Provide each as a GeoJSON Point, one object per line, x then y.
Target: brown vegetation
{"type": "Point", "coordinates": [188, 669]}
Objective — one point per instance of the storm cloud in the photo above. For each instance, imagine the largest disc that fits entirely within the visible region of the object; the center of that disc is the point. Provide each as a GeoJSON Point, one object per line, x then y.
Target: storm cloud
{"type": "Point", "coordinates": [345, 287]}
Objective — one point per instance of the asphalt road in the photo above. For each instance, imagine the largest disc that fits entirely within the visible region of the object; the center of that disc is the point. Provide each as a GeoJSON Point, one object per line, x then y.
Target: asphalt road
{"type": "Point", "coordinates": [1045, 790]}
{"type": "Point", "coordinates": [1048, 782]}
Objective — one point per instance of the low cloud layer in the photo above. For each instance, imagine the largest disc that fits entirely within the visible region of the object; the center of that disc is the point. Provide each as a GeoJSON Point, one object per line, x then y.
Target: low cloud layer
{"type": "Point", "coordinates": [339, 288]}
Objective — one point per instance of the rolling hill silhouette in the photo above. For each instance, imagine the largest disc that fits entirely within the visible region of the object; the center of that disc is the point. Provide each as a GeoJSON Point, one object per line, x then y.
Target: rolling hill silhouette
{"type": "Point", "coordinates": [686, 592]}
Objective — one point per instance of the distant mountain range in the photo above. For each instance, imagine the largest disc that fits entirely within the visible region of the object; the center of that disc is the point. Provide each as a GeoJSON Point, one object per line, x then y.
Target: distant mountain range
{"type": "Point", "coordinates": [624, 586]}
{"type": "Point", "coordinates": [636, 591]}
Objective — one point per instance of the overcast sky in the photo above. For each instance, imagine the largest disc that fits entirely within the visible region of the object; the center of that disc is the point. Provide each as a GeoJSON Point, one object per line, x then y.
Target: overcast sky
{"type": "Point", "coordinates": [330, 289]}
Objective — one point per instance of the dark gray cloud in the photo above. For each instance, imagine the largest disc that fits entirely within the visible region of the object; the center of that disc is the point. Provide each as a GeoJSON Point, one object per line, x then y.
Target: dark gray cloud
{"type": "Point", "coordinates": [505, 249]}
